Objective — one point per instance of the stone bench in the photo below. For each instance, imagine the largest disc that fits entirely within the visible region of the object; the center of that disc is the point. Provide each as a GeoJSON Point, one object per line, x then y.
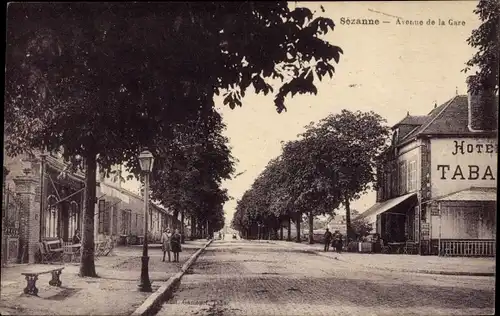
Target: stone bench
{"type": "Point", "coordinates": [32, 277]}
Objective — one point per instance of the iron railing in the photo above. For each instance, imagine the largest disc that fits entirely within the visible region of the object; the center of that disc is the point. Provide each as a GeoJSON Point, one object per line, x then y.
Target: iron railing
{"type": "Point", "coordinates": [468, 248]}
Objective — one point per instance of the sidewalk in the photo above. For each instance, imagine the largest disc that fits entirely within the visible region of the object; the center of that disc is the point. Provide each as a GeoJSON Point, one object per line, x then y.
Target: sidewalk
{"type": "Point", "coordinates": [115, 292]}
{"type": "Point", "coordinates": [407, 263]}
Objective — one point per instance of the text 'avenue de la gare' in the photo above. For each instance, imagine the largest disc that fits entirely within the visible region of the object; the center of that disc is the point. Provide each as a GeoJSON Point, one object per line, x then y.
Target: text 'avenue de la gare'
{"type": "Point", "coordinates": [428, 22]}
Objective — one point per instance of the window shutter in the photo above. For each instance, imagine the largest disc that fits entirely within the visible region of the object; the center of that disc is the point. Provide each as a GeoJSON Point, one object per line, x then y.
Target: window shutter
{"type": "Point", "coordinates": [107, 213]}
{"type": "Point", "coordinates": [136, 228]}
{"type": "Point", "coordinates": [101, 207]}
{"type": "Point", "coordinates": [124, 222]}
{"type": "Point", "coordinates": [115, 222]}
{"type": "Point", "coordinates": [378, 224]}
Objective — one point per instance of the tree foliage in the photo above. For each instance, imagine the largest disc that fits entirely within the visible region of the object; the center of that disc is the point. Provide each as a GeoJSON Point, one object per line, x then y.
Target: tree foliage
{"type": "Point", "coordinates": [486, 39]}
{"type": "Point", "coordinates": [103, 80]}
{"type": "Point", "coordinates": [356, 139]}
{"type": "Point", "coordinates": [332, 163]}
{"type": "Point", "coordinates": [191, 167]}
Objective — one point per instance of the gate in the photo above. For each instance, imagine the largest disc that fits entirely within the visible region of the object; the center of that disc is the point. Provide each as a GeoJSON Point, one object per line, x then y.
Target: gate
{"type": "Point", "coordinates": [10, 225]}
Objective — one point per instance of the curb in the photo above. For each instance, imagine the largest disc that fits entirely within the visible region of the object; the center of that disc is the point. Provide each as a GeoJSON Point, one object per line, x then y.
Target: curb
{"type": "Point", "coordinates": [456, 273]}
{"type": "Point", "coordinates": [152, 304]}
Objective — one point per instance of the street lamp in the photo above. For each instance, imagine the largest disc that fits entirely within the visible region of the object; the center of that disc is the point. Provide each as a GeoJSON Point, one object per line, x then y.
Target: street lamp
{"type": "Point", "coordinates": [146, 160]}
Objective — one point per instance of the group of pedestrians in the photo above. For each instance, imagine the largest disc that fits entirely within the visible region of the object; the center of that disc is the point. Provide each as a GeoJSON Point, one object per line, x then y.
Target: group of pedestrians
{"type": "Point", "coordinates": [335, 239]}
{"type": "Point", "coordinates": [171, 242]}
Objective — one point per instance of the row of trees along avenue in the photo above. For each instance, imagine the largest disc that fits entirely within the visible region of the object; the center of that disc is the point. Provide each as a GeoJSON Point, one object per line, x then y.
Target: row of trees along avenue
{"type": "Point", "coordinates": [331, 164]}
{"type": "Point", "coordinates": [101, 81]}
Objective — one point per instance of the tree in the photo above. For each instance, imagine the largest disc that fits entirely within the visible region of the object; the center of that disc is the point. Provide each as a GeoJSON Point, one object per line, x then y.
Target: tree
{"type": "Point", "coordinates": [486, 38]}
{"type": "Point", "coordinates": [360, 226]}
{"type": "Point", "coordinates": [80, 85]}
{"type": "Point", "coordinates": [310, 180]}
{"type": "Point", "coordinates": [318, 224]}
{"type": "Point", "coordinates": [190, 168]}
{"type": "Point", "coordinates": [298, 182]}
{"type": "Point", "coordinates": [354, 141]}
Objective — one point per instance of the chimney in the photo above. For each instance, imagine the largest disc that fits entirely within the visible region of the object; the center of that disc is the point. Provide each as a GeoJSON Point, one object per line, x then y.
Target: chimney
{"type": "Point", "coordinates": [483, 110]}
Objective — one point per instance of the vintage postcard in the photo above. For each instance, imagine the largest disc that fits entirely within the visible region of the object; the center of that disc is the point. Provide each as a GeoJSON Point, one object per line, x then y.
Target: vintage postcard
{"type": "Point", "coordinates": [250, 158]}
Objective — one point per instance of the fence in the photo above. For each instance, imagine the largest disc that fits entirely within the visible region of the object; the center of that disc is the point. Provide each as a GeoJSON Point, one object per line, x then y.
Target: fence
{"type": "Point", "coordinates": [468, 248]}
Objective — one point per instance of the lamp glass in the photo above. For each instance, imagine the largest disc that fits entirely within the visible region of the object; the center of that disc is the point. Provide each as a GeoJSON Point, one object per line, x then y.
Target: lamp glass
{"type": "Point", "coordinates": [146, 160]}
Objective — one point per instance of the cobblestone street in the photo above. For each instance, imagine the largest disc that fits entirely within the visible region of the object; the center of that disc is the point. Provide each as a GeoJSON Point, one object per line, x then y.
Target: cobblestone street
{"type": "Point", "coordinates": [251, 278]}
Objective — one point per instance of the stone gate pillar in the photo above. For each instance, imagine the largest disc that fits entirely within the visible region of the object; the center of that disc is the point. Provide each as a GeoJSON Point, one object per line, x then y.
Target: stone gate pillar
{"type": "Point", "coordinates": [29, 215]}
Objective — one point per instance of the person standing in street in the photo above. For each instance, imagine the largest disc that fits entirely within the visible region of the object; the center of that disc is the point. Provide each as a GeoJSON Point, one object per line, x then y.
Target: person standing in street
{"type": "Point", "coordinates": [165, 243]}
{"type": "Point", "coordinates": [175, 244]}
{"type": "Point", "coordinates": [337, 241]}
{"type": "Point", "coordinates": [327, 238]}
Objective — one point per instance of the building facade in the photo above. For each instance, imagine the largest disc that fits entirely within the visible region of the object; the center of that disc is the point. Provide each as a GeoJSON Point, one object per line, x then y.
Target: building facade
{"type": "Point", "coordinates": [438, 184]}
{"type": "Point", "coordinates": [44, 200]}
{"type": "Point", "coordinates": [120, 214]}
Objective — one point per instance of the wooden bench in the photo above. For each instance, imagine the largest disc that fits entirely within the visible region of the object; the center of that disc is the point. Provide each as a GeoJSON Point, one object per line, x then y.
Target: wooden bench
{"type": "Point", "coordinates": [32, 277]}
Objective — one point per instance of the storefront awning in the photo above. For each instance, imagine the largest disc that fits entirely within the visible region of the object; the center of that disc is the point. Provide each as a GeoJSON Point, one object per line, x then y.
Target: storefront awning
{"type": "Point", "coordinates": [472, 194]}
{"type": "Point", "coordinates": [379, 208]}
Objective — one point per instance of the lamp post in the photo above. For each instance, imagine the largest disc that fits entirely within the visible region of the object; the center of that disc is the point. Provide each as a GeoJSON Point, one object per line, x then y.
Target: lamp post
{"type": "Point", "coordinates": [146, 160]}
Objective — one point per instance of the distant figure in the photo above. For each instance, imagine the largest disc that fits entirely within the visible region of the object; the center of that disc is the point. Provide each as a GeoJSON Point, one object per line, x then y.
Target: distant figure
{"type": "Point", "coordinates": [165, 243]}
{"type": "Point", "coordinates": [220, 235]}
{"type": "Point", "coordinates": [328, 239]}
{"type": "Point", "coordinates": [175, 244]}
{"type": "Point", "coordinates": [76, 237]}
{"type": "Point", "coordinates": [337, 241]}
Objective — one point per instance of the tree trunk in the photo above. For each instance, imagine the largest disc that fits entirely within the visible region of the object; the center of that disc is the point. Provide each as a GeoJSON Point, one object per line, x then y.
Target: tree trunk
{"type": "Point", "coordinates": [311, 228]}
{"type": "Point", "coordinates": [182, 227]}
{"type": "Point", "coordinates": [299, 219]}
{"type": "Point", "coordinates": [281, 232]}
{"type": "Point", "coordinates": [289, 233]}
{"type": "Point", "coordinates": [348, 219]}
{"type": "Point", "coordinates": [200, 229]}
{"type": "Point", "coordinates": [175, 216]}
{"type": "Point", "coordinates": [87, 264]}
{"type": "Point", "coordinates": [193, 227]}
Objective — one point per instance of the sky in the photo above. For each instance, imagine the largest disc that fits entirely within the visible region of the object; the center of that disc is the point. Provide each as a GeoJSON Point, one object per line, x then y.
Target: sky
{"type": "Point", "coordinates": [390, 68]}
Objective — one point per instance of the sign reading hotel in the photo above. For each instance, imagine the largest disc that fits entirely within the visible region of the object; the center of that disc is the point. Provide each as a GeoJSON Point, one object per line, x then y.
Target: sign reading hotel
{"type": "Point", "coordinates": [461, 163]}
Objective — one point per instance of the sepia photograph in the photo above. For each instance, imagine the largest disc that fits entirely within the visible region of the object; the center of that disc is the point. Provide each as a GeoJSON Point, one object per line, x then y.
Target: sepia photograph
{"type": "Point", "coordinates": [250, 158]}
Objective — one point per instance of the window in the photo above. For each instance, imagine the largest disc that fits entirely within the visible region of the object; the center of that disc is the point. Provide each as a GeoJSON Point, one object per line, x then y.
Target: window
{"type": "Point", "coordinates": [150, 219]}
{"type": "Point", "coordinates": [395, 137]}
{"type": "Point", "coordinates": [387, 185]}
{"type": "Point", "coordinates": [106, 220]}
{"type": "Point", "coordinates": [101, 210]}
{"type": "Point", "coordinates": [412, 176]}
{"type": "Point", "coordinates": [126, 218]}
{"type": "Point", "coordinates": [394, 181]}
{"type": "Point", "coordinates": [114, 220]}
{"type": "Point", "coordinates": [402, 177]}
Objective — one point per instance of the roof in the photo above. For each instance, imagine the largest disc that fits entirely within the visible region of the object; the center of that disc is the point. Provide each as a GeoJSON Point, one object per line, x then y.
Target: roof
{"type": "Point", "coordinates": [123, 195]}
{"type": "Point", "coordinates": [450, 118]}
{"type": "Point", "coordinates": [472, 194]}
{"type": "Point", "coordinates": [412, 120]}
